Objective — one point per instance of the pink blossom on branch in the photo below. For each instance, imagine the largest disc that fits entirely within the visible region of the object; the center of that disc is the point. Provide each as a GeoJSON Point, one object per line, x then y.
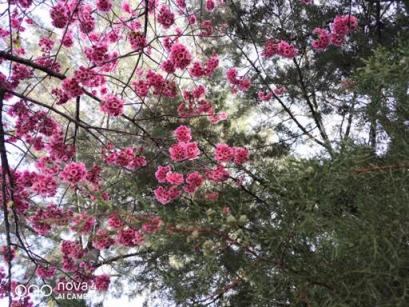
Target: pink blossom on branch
{"type": "Point", "coordinates": [161, 173]}
{"type": "Point", "coordinates": [223, 153]}
{"type": "Point", "coordinates": [180, 56]}
{"type": "Point", "coordinates": [112, 105]}
{"type": "Point", "coordinates": [183, 134]}
{"type": "Point", "coordinates": [241, 83]}
{"type": "Point", "coordinates": [46, 273]}
{"type": "Point", "coordinates": [165, 17]}
{"type": "Point", "coordinates": [102, 240]}
{"type": "Point", "coordinates": [281, 48]}
{"type": "Point", "coordinates": [129, 237]}
{"type": "Point", "coordinates": [165, 195]}
{"type": "Point", "coordinates": [137, 40]}
{"type": "Point", "coordinates": [104, 5]}
{"type": "Point", "coordinates": [74, 173]}
{"type": "Point", "coordinates": [102, 282]}
{"type": "Point", "coordinates": [184, 151]}
{"type": "Point", "coordinates": [59, 15]}
{"type": "Point", "coordinates": [340, 28]}
{"type": "Point", "coordinates": [174, 178]}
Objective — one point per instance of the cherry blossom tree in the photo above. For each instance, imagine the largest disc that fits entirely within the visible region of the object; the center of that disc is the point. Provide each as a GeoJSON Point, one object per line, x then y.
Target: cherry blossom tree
{"type": "Point", "coordinates": [117, 150]}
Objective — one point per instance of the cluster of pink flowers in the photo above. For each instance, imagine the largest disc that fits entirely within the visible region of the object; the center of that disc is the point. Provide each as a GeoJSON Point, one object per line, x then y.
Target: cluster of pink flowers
{"type": "Point", "coordinates": [29, 123]}
{"type": "Point", "coordinates": [46, 44]}
{"type": "Point", "coordinates": [324, 39]}
{"type": "Point", "coordinates": [124, 235]}
{"type": "Point", "coordinates": [43, 219]}
{"type": "Point", "coordinates": [73, 173]}
{"type": "Point", "coordinates": [341, 27]}
{"type": "Point", "coordinates": [47, 166]}
{"type": "Point", "coordinates": [218, 174]}
{"type": "Point", "coordinates": [40, 130]}
{"type": "Point", "coordinates": [165, 195]}
{"type": "Point", "coordinates": [7, 255]}
{"type": "Point", "coordinates": [193, 105]}
{"type": "Point", "coordinates": [112, 105]}
{"type": "Point", "coordinates": [165, 17]}
{"type": "Point", "coordinates": [181, 4]}
{"type": "Point", "coordinates": [82, 223]}
{"type": "Point", "coordinates": [137, 40]}
{"type": "Point", "coordinates": [168, 42]}
{"type": "Point", "coordinates": [184, 151]}
{"type": "Point", "coordinates": [206, 28]}
{"type": "Point", "coordinates": [88, 77]}
{"type": "Point", "coordinates": [161, 86]}
{"type": "Point", "coordinates": [102, 282]}
{"type": "Point", "coordinates": [104, 5]}
{"type": "Point", "coordinates": [72, 249]}
{"type": "Point", "coordinates": [45, 272]}
{"type": "Point", "coordinates": [263, 96]}
{"type": "Point", "coordinates": [114, 221]}
{"type": "Point", "coordinates": [225, 153]}
{"type": "Point", "coordinates": [97, 54]}
{"type": "Point", "coordinates": [180, 56]}
{"type": "Point", "coordinates": [61, 96]}
{"type": "Point", "coordinates": [102, 240]}
{"type": "Point", "coordinates": [168, 66]}
{"type": "Point", "coordinates": [86, 21]}
{"type": "Point", "coordinates": [19, 73]}
{"type": "Point", "coordinates": [44, 185]}
{"type": "Point", "coordinates": [281, 48]}
{"type": "Point", "coordinates": [4, 33]}
{"type": "Point", "coordinates": [175, 178]}
{"type": "Point", "coordinates": [152, 5]}
{"type": "Point", "coordinates": [68, 39]}
{"type": "Point", "coordinates": [129, 158]}
{"type": "Point", "coordinates": [59, 15]}
{"type": "Point", "coordinates": [129, 237]}
{"type": "Point", "coordinates": [161, 173]}
{"type": "Point", "coordinates": [191, 19]}
{"type": "Point", "coordinates": [238, 83]}
{"type": "Point", "coordinates": [278, 91]}
{"type": "Point", "coordinates": [72, 88]}
{"type": "Point", "coordinates": [210, 5]}
{"type": "Point", "coordinates": [193, 181]}
{"type": "Point", "coordinates": [199, 70]}
{"type": "Point", "coordinates": [141, 88]}
{"type": "Point", "coordinates": [183, 134]}
{"type": "Point", "coordinates": [25, 3]}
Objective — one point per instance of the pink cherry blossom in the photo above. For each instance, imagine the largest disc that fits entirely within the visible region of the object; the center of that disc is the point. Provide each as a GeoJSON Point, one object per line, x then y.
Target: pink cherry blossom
{"type": "Point", "coordinates": [180, 56]}
{"type": "Point", "coordinates": [113, 105]}
{"type": "Point", "coordinates": [102, 282]}
{"type": "Point", "coordinates": [174, 178]}
{"type": "Point", "coordinates": [183, 134]}
{"type": "Point", "coordinates": [74, 173]}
